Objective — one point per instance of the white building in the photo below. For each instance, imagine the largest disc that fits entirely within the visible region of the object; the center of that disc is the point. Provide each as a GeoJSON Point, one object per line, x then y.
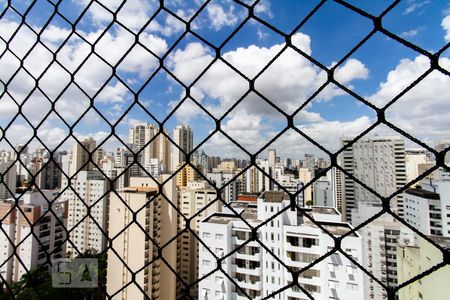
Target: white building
{"type": "Point", "coordinates": [45, 235]}
{"type": "Point", "coordinates": [293, 239]}
{"type": "Point", "coordinates": [427, 207]}
{"type": "Point", "coordinates": [379, 162]}
{"type": "Point", "coordinates": [381, 239]}
{"type": "Point", "coordinates": [223, 178]}
{"type": "Point", "coordinates": [183, 137]}
{"type": "Point", "coordinates": [323, 192]}
{"type": "Point", "coordinates": [87, 189]}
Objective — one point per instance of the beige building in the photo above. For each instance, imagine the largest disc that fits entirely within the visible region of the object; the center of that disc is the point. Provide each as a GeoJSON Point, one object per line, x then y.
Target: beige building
{"type": "Point", "coordinates": [185, 175]}
{"type": "Point", "coordinates": [80, 156]}
{"type": "Point", "coordinates": [304, 175]}
{"type": "Point", "coordinates": [193, 198]}
{"type": "Point", "coordinates": [413, 260]}
{"type": "Point", "coordinates": [154, 224]}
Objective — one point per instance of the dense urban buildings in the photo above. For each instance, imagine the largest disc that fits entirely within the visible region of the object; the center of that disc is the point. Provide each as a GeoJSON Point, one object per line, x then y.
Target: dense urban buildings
{"type": "Point", "coordinates": [129, 201]}
{"type": "Point", "coordinates": [38, 234]}
{"type": "Point", "coordinates": [291, 238]}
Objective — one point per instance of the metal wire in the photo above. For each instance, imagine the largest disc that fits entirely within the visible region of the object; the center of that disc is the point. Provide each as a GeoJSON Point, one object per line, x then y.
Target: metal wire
{"type": "Point", "coordinates": [187, 287]}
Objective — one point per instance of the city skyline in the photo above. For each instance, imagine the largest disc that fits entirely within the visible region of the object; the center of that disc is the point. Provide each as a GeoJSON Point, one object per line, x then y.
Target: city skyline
{"type": "Point", "coordinates": [331, 115]}
{"type": "Point", "coordinates": [224, 149]}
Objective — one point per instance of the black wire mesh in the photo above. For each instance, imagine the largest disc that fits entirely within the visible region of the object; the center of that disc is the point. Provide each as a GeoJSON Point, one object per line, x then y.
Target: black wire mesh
{"type": "Point", "coordinates": [187, 224]}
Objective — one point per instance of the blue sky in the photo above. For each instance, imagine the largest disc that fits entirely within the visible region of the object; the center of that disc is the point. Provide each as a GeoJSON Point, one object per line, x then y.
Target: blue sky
{"type": "Point", "coordinates": [377, 71]}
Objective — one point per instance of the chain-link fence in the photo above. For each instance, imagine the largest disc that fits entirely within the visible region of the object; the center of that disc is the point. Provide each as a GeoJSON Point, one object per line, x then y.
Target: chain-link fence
{"type": "Point", "coordinates": [159, 195]}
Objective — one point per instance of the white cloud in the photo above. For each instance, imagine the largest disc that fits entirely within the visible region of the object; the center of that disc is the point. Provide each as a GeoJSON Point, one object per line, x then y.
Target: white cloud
{"type": "Point", "coordinates": [415, 6]}
{"type": "Point", "coordinates": [287, 82]}
{"type": "Point", "coordinates": [423, 111]}
{"type": "Point", "coordinates": [409, 33]}
{"type": "Point", "coordinates": [219, 17]}
{"type": "Point", "coordinates": [446, 25]}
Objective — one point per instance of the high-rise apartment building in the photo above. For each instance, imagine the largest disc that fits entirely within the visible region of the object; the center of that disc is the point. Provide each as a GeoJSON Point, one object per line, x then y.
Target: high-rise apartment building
{"type": "Point", "coordinates": [45, 236]}
{"type": "Point", "coordinates": [81, 153]}
{"type": "Point", "coordinates": [414, 159]}
{"type": "Point", "coordinates": [378, 162]}
{"type": "Point", "coordinates": [183, 138]}
{"type": "Point", "coordinates": [381, 238]}
{"type": "Point", "coordinates": [86, 190]}
{"type": "Point", "coordinates": [305, 176]}
{"type": "Point", "coordinates": [185, 175]}
{"type": "Point", "coordinates": [135, 239]}
{"type": "Point", "coordinates": [8, 185]}
{"type": "Point", "coordinates": [292, 238]}
{"type": "Point", "coordinates": [194, 198]}
{"type": "Point", "coordinates": [427, 206]}
{"type": "Point", "coordinates": [140, 136]}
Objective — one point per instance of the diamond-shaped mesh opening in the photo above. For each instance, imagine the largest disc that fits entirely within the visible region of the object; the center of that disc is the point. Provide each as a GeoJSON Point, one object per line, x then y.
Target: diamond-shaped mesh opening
{"type": "Point", "coordinates": [224, 149]}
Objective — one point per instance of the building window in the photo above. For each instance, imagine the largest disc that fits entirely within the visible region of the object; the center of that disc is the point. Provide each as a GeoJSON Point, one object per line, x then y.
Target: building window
{"type": "Point", "coordinates": [352, 286]}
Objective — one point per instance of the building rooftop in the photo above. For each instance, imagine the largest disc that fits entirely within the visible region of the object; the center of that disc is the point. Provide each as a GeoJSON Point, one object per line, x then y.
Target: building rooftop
{"type": "Point", "coordinates": [275, 196]}
{"type": "Point", "coordinates": [139, 189]}
{"type": "Point", "coordinates": [442, 241]}
{"type": "Point", "coordinates": [324, 210]}
{"type": "Point", "coordinates": [423, 193]}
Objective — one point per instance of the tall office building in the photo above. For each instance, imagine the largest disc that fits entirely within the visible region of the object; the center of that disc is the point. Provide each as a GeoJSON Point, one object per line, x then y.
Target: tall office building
{"type": "Point", "coordinates": [183, 138]}
{"type": "Point", "coordinates": [193, 198]}
{"type": "Point", "coordinates": [86, 189]}
{"type": "Point", "coordinates": [379, 162]}
{"type": "Point", "coordinates": [292, 238]}
{"type": "Point", "coordinates": [46, 235]}
{"type": "Point", "coordinates": [140, 136]}
{"type": "Point", "coordinates": [8, 175]}
{"type": "Point", "coordinates": [134, 246]}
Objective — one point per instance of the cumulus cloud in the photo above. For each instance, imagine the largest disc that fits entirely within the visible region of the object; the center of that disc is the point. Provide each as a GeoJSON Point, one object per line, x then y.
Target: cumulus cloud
{"type": "Point", "coordinates": [220, 17]}
{"type": "Point", "coordinates": [288, 82]}
{"type": "Point", "coordinates": [446, 25]}
{"type": "Point", "coordinates": [426, 104]}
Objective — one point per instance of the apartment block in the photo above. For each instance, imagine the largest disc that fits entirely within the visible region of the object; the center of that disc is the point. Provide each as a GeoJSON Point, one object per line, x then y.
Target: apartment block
{"type": "Point", "coordinates": [135, 239]}
{"type": "Point", "coordinates": [381, 239]}
{"type": "Point", "coordinates": [378, 162]}
{"type": "Point", "coordinates": [194, 202]}
{"type": "Point", "coordinates": [87, 189]}
{"type": "Point", "coordinates": [183, 138]}
{"type": "Point", "coordinates": [39, 234]}
{"type": "Point", "coordinates": [427, 206]}
{"type": "Point", "coordinates": [8, 176]}
{"type": "Point", "coordinates": [290, 237]}
{"type": "Point", "coordinates": [413, 260]}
